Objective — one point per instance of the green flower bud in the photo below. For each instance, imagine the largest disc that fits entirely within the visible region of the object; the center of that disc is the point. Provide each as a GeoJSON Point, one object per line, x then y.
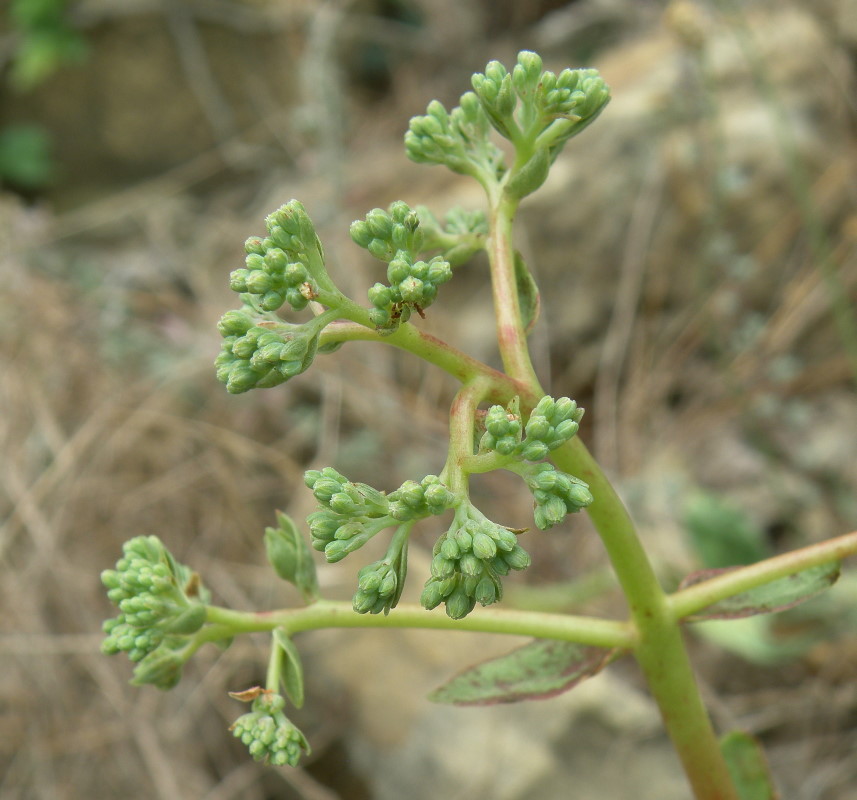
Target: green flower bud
{"type": "Point", "coordinates": [534, 451]}
{"type": "Point", "coordinates": [276, 260]}
{"type": "Point", "coordinates": [459, 605]}
{"type": "Point", "coordinates": [432, 595]}
{"type": "Point", "coordinates": [484, 547]}
{"type": "Point", "coordinates": [580, 496]}
{"type": "Point", "coordinates": [238, 280]}
{"type": "Point", "coordinates": [380, 295]}
{"type": "Point", "coordinates": [442, 567]}
{"type": "Point", "coordinates": [254, 245]}
{"type": "Point", "coordinates": [381, 249]}
{"type": "Point", "coordinates": [486, 591]}
{"type": "Point", "coordinates": [254, 262]}
{"type": "Point", "coordinates": [464, 539]}
{"type": "Point", "coordinates": [341, 503]}
{"type": "Point", "coordinates": [450, 550]}
{"type": "Point", "coordinates": [517, 558]}
{"type": "Point", "coordinates": [234, 323]}
{"type": "Point", "coordinates": [361, 233]}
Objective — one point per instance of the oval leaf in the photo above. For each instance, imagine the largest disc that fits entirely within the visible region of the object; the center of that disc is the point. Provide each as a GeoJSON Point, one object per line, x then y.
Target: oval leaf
{"type": "Point", "coordinates": [544, 668]}
{"type": "Point", "coordinates": [778, 595]}
{"type": "Point", "coordinates": [529, 297]}
{"type": "Point", "coordinates": [747, 766]}
{"type": "Point", "coordinates": [293, 673]}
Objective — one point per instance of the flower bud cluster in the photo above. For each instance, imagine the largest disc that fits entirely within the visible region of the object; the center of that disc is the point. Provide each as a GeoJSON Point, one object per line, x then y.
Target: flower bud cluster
{"type": "Point", "coordinates": [385, 233]}
{"type": "Point", "coordinates": [414, 500]}
{"type": "Point", "coordinates": [352, 513]}
{"type": "Point", "coordinates": [413, 285]}
{"type": "Point", "coordinates": [262, 356]}
{"type": "Point", "coordinates": [575, 97]}
{"type": "Point", "coordinates": [279, 267]}
{"type": "Point", "coordinates": [551, 424]}
{"type": "Point", "coordinates": [395, 236]}
{"type": "Point", "coordinates": [556, 494]}
{"type": "Point", "coordinates": [468, 562]}
{"type": "Point", "coordinates": [458, 139]}
{"type": "Point", "coordinates": [378, 588]}
{"type": "Point", "coordinates": [161, 603]}
{"type": "Point", "coordinates": [268, 734]}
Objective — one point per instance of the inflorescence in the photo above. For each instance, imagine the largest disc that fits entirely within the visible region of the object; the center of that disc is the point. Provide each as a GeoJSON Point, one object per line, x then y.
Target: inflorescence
{"type": "Point", "coordinates": [163, 604]}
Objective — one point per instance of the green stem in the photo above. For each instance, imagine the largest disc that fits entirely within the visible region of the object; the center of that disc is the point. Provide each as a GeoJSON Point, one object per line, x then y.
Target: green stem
{"type": "Point", "coordinates": [465, 368]}
{"type": "Point", "coordinates": [661, 652]}
{"type": "Point", "coordinates": [225, 623]}
{"type": "Point", "coordinates": [701, 595]}
{"type": "Point", "coordinates": [275, 668]}
{"type": "Point", "coordinates": [511, 331]}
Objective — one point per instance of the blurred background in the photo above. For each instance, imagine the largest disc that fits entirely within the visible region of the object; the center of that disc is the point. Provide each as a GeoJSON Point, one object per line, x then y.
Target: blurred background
{"type": "Point", "coordinates": [697, 251]}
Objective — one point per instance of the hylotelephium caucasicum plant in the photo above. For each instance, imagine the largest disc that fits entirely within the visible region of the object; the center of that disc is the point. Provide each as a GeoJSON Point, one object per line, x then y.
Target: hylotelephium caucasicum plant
{"type": "Point", "coordinates": [165, 613]}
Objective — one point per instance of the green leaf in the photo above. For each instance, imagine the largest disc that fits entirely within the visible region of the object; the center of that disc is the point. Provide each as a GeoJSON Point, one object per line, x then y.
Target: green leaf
{"type": "Point", "coordinates": [544, 668]}
{"type": "Point", "coordinates": [293, 673]}
{"type": "Point", "coordinates": [291, 557]}
{"type": "Point", "coordinates": [772, 597]}
{"type": "Point", "coordinates": [721, 534]}
{"type": "Point", "coordinates": [528, 293]}
{"type": "Point", "coordinates": [748, 766]}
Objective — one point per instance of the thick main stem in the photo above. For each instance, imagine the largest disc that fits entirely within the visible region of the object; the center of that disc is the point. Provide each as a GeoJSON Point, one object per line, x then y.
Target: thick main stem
{"type": "Point", "coordinates": [660, 651]}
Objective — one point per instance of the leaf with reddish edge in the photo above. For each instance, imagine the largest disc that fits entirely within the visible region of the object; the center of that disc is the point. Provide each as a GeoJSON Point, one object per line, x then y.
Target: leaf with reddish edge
{"type": "Point", "coordinates": [769, 598]}
{"type": "Point", "coordinates": [544, 668]}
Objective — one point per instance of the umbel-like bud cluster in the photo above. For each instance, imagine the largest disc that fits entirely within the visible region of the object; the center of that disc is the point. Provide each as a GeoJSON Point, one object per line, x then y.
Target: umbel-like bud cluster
{"type": "Point", "coordinates": [551, 424]}
{"type": "Point", "coordinates": [264, 355]}
{"type": "Point", "coordinates": [468, 562]}
{"type": "Point", "coordinates": [161, 603]}
{"type": "Point", "coordinates": [283, 266]}
{"type": "Point", "coordinates": [555, 493]}
{"type": "Point", "coordinates": [269, 735]}
{"type": "Point", "coordinates": [525, 103]}
{"type": "Point", "coordinates": [459, 139]}
{"type": "Point", "coordinates": [395, 237]}
{"type": "Point", "coordinates": [380, 584]}
{"type": "Point", "coordinates": [538, 111]}
{"type": "Point", "coordinates": [352, 513]}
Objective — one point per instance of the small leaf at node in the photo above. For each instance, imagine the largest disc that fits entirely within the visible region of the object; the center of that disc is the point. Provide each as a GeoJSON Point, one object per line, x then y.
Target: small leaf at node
{"type": "Point", "coordinates": [293, 673]}
{"type": "Point", "coordinates": [544, 668]}
{"type": "Point", "coordinates": [529, 297]}
{"type": "Point", "coordinates": [779, 595]}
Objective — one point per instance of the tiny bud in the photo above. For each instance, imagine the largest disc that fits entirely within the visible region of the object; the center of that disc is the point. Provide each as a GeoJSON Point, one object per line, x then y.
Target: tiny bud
{"type": "Point", "coordinates": [486, 592]}
{"type": "Point", "coordinates": [484, 547]}
{"type": "Point", "coordinates": [431, 596]}
{"type": "Point", "coordinates": [459, 605]}
{"type": "Point", "coordinates": [517, 558]}
{"type": "Point", "coordinates": [580, 496]}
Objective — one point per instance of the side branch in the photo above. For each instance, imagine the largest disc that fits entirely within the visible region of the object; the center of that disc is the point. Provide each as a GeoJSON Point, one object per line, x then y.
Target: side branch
{"type": "Point", "coordinates": [701, 595]}
{"type": "Point", "coordinates": [329, 614]}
